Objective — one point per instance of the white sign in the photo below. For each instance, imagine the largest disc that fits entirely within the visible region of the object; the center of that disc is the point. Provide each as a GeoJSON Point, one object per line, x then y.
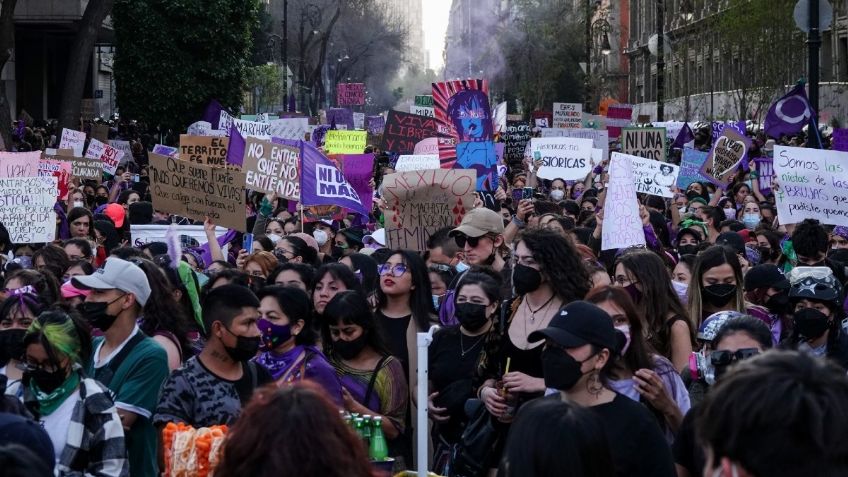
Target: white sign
{"type": "Point", "coordinates": [108, 155]}
{"type": "Point", "coordinates": [26, 208]}
{"type": "Point", "coordinates": [563, 157]}
{"type": "Point", "coordinates": [290, 128]}
{"type": "Point", "coordinates": [653, 177]}
{"type": "Point", "coordinates": [252, 128]}
{"type": "Point", "coordinates": [422, 111]}
{"type": "Point", "coordinates": [225, 120]}
{"type": "Point", "coordinates": [144, 234]}
{"type": "Point", "coordinates": [599, 137]}
{"type": "Point", "coordinates": [358, 120]}
{"type": "Point", "coordinates": [200, 128]}
{"type": "Point", "coordinates": [417, 162]}
{"type": "Point", "coordinates": [427, 146]}
{"type": "Point", "coordinates": [499, 118]}
{"type": "Point", "coordinates": [73, 140]}
{"type": "Point", "coordinates": [813, 184]}
{"type": "Point", "coordinates": [568, 115]}
{"type": "Point", "coordinates": [622, 223]}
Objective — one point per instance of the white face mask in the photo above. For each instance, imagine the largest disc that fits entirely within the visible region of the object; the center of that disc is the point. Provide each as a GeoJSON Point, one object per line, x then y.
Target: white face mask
{"type": "Point", "coordinates": [682, 210]}
{"type": "Point", "coordinates": [320, 237]}
{"type": "Point", "coordinates": [557, 195]}
{"type": "Point", "coordinates": [682, 290]}
{"type": "Point", "coordinates": [730, 214]}
{"type": "Point", "coordinates": [274, 238]}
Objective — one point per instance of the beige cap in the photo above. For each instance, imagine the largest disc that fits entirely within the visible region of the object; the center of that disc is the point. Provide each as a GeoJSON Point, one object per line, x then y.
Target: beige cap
{"type": "Point", "coordinates": [478, 222]}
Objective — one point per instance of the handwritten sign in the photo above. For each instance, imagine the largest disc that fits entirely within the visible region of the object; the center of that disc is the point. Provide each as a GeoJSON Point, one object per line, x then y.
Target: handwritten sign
{"type": "Point", "coordinates": [271, 167]}
{"type": "Point", "coordinates": [690, 167]}
{"type": "Point", "coordinates": [726, 155]}
{"type": "Point", "coordinates": [419, 203]}
{"type": "Point", "coordinates": [358, 120]}
{"type": "Point", "coordinates": [813, 185]}
{"type": "Point", "coordinates": [417, 162]}
{"type": "Point", "coordinates": [404, 130]}
{"type": "Point", "coordinates": [653, 177]}
{"type": "Point", "coordinates": [563, 158]}
{"type": "Point", "coordinates": [123, 146]}
{"type": "Point", "coordinates": [568, 115]}
{"type": "Point", "coordinates": [290, 128]}
{"type": "Point", "coordinates": [26, 208]}
{"type": "Point", "coordinates": [427, 147]}
{"type": "Point", "coordinates": [644, 142]}
{"type": "Point", "coordinates": [19, 164]}
{"type": "Point", "coordinates": [108, 155]}
{"type": "Point", "coordinates": [61, 170]}
{"type": "Point", "coordinates": [207, 150]}
{"type": "Point", "coordinates": [345, 142]}
{"type": "Point", "coordinates": [252, 128]}
{"type": "Point", "coordinates": [599, 137]}
{"type": "Point", "coordinates": [375, 125]}
{"type": "Point", "coordinates": [516, 137]}
{"type": "Point", "coordinates": [73, 140]}
{"type": "Point", "coordinates": [618, 116]}
{"type": "Point", "coordinates": [86, 169]}
{"type": "Point", "coordinates": [622, 223]}
{"type": "Point", "coordinates": [348, 94]}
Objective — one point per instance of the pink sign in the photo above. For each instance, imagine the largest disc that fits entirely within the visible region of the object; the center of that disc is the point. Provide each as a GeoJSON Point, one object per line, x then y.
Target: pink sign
{"type": "Point", "coordinates": [61, 170]}
{"type": "Point", "coordinates": [427, 146]}
{"type": "Point", "coordinates": [618, 116]}
{"type": "Point", "coordinates": [19, 164]}
{"type": "Point", "coordinates": [108, 155]}
{"type": "Point", "coordinates": [348, 94]}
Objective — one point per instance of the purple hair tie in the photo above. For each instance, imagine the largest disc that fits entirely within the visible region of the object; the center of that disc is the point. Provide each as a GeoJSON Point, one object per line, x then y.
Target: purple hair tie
{"type": "Point", "coordinates": [27, 296]}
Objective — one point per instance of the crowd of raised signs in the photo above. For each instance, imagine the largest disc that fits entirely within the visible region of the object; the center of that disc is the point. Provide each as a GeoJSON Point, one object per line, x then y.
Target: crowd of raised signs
{"type": "Point", "coordinates": [717, 348]}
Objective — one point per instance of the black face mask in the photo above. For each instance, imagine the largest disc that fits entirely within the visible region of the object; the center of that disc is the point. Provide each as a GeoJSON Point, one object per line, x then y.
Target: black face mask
{"type": "Point", "coordinates": [687, 249]}
{"type": "Point", "coordinates": [525, 279]}
{"type": "Point", "coordinates": [47, 381]}
{"type": "Point", "coordinates": [280, 254]}
{"type": "Point", "coordinates": [778, 304]}
{"type": "Point", "coordinates": [245, 349]}
{"type": "Point", "coordinates": [810, 323]}
{"type": "Point", "coordinates": [96, 314]}
{"type": "Point", "coordinates": [257, 283]}
{"type": "Point", "coordinates": [350, 349]}
{"type": "Point", "coordinates": [471, 316]}
{"type": "Point", "coordinates": [766, 254]}
{"type": "Point", "coordinates": [11, 344]}
{"type": "Point", "coordinates": [719, 295]}
{"type": "Point", "coordinates": [101, 200]}
{"type": "Point", "coordinates": [561, 371]}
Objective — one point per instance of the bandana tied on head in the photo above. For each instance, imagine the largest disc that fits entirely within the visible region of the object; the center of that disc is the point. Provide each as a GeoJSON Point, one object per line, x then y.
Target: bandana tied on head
{"type": "Point", "coordinates": [690, 223]}
{"type": "Point", "coordinates": [841, 231]}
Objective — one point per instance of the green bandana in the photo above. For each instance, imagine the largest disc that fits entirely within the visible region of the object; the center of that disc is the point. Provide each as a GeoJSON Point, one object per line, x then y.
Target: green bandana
{"type": "Point", "coordinates": [47, 403]}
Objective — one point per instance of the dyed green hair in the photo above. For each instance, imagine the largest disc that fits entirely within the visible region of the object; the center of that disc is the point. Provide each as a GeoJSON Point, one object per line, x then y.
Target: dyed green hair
{"type": "Point", "coordinates": [59, 333]}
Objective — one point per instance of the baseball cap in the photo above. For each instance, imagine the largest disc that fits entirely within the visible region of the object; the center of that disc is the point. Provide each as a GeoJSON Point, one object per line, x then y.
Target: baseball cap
{"type": "Point", "coordinates": [15, 429]}
{"type": "Point", "coordinates": [116, 213]}
{"type": "Point", "coordinates": [70, 291]}
{"type": "Point", "coordinates": [479, 222]}
{"type": "Point", "coordinates": [579, 323]}
{"type": "Point", "coordinates": [378, 237]}
{"type": "Point", "coordinates": [117, 274]}
{"type": "Point", "coordinates": [732, 240]}
{"type": "Point", "coordinates": [765, 276]}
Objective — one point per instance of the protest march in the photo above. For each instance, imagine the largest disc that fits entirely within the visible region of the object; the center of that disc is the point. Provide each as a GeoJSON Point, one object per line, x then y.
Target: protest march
{"type": "Point", "coordinates": [455, 286]}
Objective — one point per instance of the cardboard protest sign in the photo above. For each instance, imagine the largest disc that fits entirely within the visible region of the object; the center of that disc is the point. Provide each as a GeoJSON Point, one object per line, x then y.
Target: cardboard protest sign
{"type": "Point", "coordinates": [468, 99]}
{"type": "Point", "coordinates": [618, 116]}
{"type": "Point", "coordinates": [252, 128]}
{"type": "Point", "coordinates": [563, 158]}
{"type": "Point", "coordinates": [86, 169]}
{"type": "Point", "coordinates": [653, 177]}
{"type": "Point", "coordinates": [725, 157]}
{"type": "Point", "coordinates": [144, 234]}
{"type": "Point", "coordinates": [196, 191]}
{"type": "Point", "coordinates": [61, 170]}
{"type": "Point", "coordinates": [644, 142]}
{"type": "Point", "coordinates": [19, 164]}
{"type": "Point", "coordinates": [813, 185]}
{"type": "Point", "coordinates": [289, 128]}
{"type": "Point", "coordinates": [348, 94]}
{"type": "Point", "coordinates": [718, 128]}
{"type": "Point", "coordinates": [26, 208]}
{"type": "Point", "coordinates": [840, 139]}
{"type": "Point", "coordinates": [340, 117]}
{"type": "Point", "coordinates": [568, 115]}
{"type": "Point", "coordinates": [207, 150]}
{"type": "Point", "coordinates": [417, 162]}
{"type": "Point", "coordinates": [403, 130]}
{"type": "Point", "coordinates": [358, 169]}
{"type": "Point", "coordinates": [108, 155]}
{"type": "Point", "coordinates": [345, 142]}
{"type": "Point", "coordinates": [690, 167]}
{"type": "Point", "coordinates": [516, 137]}
{"type": "Point", "coordinates": [765, 170]}
{"type": "Point", "coordinates": [271, 167]}
{"type": "Point", "coordinates": [599, 137]}
{"type": "Point", "coordinates": [622, 223]}
{"type": "Point", "coordinates": [429, 146]}
{"type": "Point", "coordinates": [419, 203]}
{"type": "Point", "coordinates": [73, 140]}
{"type": "Point", "coordinates": [100, 132]}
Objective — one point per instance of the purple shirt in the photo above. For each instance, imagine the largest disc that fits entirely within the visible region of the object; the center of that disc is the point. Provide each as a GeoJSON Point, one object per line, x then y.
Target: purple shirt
{"type": "Point", "coordinates": [313, 366]}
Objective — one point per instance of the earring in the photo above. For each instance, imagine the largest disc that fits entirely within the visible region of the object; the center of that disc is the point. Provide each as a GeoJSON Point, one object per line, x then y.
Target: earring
{"type": "Point", "coordinates": [594, 385]}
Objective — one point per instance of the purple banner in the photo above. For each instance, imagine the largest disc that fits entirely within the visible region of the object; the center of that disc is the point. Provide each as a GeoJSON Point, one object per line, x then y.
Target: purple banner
{"type": "Point", "coordinates": [322, 183]}
{"type": "Point", "coordinates": [235, 151]}
{"type": "Point", "coordinates": [339, 116]}
{"type": "Point", "coordinates": [359, 170]}
{"type": "Point", "coordinates": [765, 170]}
{"type": "Point", "coordinates": [375, 125]}
{"type": "Point", "coordinates": [839, 142]}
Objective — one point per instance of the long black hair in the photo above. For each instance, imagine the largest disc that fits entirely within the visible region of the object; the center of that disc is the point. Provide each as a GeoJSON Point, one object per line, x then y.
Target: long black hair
{"type": "Point", "coordinates": [162, 312]}
{"type": "Point", "coordinates": [421, 296]}
{"type": "Point", "coordinates": [351, 308]}
{"type": "Point", "coordinates": [559, 262]}
{"type": "Point", "coordinates": [295, 303]}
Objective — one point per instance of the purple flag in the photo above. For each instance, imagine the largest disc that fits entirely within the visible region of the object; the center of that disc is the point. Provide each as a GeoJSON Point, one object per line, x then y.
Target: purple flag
{"type": "Point", "coordinates": [235, 151]}
{"type": "Point", "coordinates": [322, 183]}
{"type": "Point", "coordinates": [359, 170]}
{"type": "Point", "coordinates": [789, 114]}
{"type": "Point", "coordinates": [318, 135]}
{"type": "Point", "coordinates": [336, 116]}
{"type": "Point", "coordinates": [683, 137]}
{"type": "Point", "coordinates": [213, 113]}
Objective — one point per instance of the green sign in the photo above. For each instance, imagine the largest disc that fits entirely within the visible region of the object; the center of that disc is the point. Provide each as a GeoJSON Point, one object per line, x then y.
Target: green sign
{"type": "Point", "coordinates": [425, 100]}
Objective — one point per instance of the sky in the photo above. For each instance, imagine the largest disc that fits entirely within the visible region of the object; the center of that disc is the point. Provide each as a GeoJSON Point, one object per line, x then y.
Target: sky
{"type": "Point", "coordinates": [435, 18]}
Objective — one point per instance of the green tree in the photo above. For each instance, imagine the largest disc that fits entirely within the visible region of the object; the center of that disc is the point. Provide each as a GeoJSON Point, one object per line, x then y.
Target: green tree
{"type": "Point", "coordinates": [264, 83]}
{"type": "Point", "coordinates": [175, 55]}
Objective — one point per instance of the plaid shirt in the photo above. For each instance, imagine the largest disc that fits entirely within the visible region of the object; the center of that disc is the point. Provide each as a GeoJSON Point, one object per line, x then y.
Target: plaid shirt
{"type": "Point", "coordinates": [95, 442]}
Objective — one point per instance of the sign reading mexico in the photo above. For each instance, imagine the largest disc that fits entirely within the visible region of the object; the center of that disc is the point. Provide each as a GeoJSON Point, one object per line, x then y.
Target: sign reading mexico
{"type": "Point", "coordinates": [272, 167]}
{"type": "Point", "coordinates": [812, 184]}
{"type": "Point", "coordinates": [563, 158]}
{"type": "Point", "coordinates": [197, 191]}
{"type": "Point", "coordinates": [26, 208]}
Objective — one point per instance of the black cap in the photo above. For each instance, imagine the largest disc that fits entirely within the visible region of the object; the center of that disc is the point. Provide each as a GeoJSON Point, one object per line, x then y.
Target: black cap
{"type": "Point", "coordinates": [16, 429]}
{"type": "Point", "coordinates": [765, 276]}
{"type": "Point", "coordinates": [579, 323]}
{"type": "Point", "coordinates": [732, 240]}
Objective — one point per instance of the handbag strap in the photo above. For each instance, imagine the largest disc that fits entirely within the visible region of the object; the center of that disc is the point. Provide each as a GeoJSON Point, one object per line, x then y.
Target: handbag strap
{"type": "Point", "coordinates": [374, 380]}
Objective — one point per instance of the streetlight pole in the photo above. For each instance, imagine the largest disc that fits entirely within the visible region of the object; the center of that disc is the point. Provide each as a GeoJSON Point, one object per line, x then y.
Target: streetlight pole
{"type": "Point", "coordinates": [813, 42]}
{"type": "Point", "coordinates": [660, 62]}
{"type": "Point", "coordinates": [285, 55]}
{"type": "Point", "coordinates": [587, 106]}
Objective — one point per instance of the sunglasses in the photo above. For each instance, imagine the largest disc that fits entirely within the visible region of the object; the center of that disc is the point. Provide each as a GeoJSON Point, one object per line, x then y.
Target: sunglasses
{"type": "Point", "coordinates": [726, 358]}
{"type": "Point", "coordinates": [462, 239]}
{"type": "Point", "coordinates": [396, 270]}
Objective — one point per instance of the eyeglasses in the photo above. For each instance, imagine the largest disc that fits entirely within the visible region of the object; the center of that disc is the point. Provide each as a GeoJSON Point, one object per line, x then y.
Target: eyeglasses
{"type": "Point", "coordinates": [725, 358]}
{"type": "Point", "coordinates": [396, 270]}
{"type": "Point", "coordinates": [462, 239]}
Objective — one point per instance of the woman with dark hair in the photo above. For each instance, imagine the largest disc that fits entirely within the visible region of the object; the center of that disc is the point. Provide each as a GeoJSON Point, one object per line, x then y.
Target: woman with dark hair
{"type": "Point", "coordinates": [292, 430]}
{"type": "Point", "coordinates": [738, 193]}
{"type": "Point", "coordinates": [453, 356]}
{"type": "Point", "coordinates": [372, 379]}
{"type": "Point", "coordinates": [768, 244]}
{"type": "Point", "coordinates": [697, 189]}
{"type": "Point", "coordinates": [217, 266]}
{"type": "Point", "coordinates": [17, 312]}
{"type": "Point", "coordinates": [128, 197]}
{"type": "Point", "coordinates": [331, 279]}
{"type": "Point", "coordinates": [365, 268]}
{"type": "Point", "coordinates": [716, 284]}
{"type": "Point", "coordinates": [43, 284]}
{"type": "Point", "coordinates": [51, 259]}
{"type": "Point", "coordinates": [107, 236]}
{"type": "Point", "coordinates": [638, 372]}
{"type": "Point", "coordinates": [76, 411]}
{"type": "Point", "coordinates": [551, 437]}
{"type": "Point", "coordinates": [81, 223]}
{"type": "Point", "coordinates": [295, 249]}
{"type": "Point", "coordinates": [441, 277]}
{"type": "Point", "coordinates": [101, 195]}
{"type": "Point", "coordinates": [288, 341]}
{"type": "Point", "coordinates": [644, 276]}
{"type": "Point", "coordinates": [291, 274]}
{"type": "Point", "coordinates": [78, 268]}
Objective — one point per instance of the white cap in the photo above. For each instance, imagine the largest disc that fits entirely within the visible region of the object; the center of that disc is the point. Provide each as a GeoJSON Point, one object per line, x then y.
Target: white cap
{"type": "Point", "coordinates": [378, 237]}
{"type": "Point", "coordinates": [117, 274]}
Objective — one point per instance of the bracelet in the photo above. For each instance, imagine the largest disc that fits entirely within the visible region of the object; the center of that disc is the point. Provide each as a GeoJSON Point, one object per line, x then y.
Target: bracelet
{"type": "Point", "coordinates": [518, 222]}
{"type": "Point", "coordinates": [754, 175]}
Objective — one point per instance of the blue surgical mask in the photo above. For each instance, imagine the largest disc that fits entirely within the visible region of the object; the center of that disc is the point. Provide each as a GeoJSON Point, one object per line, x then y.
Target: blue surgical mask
{"type": "Point", "coordinates": [751, 220]}
{"type": "Point", "coordinates": [437, 301]}
{"type": "Point", "coordinates": [461, 267]}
